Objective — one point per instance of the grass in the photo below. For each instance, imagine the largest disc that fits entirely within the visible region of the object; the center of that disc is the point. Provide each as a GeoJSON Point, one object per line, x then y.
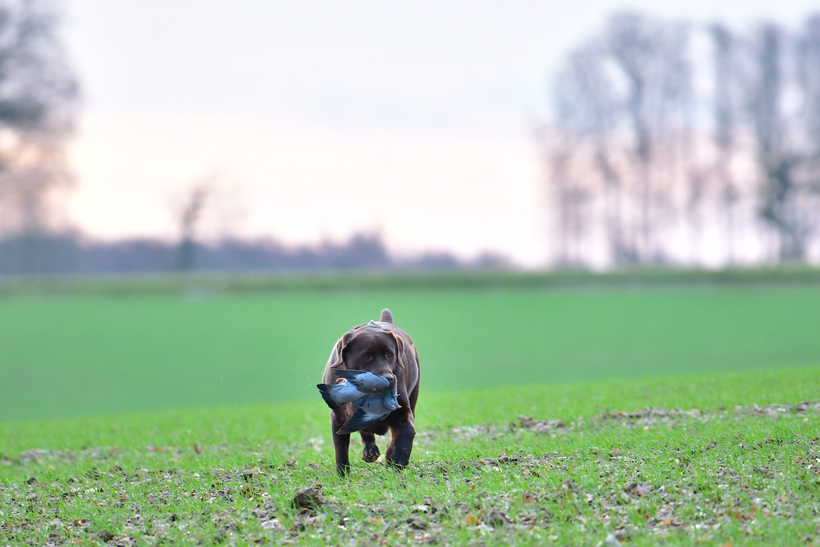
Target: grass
{"type": "Point", "coordinates": [90, 354]}
{"type": "Point", "coordinates": [724, 474]}
{"type": "Point", "coordinates": [232, 283]}
{"type": "Point", "coordinates": [520, 439]}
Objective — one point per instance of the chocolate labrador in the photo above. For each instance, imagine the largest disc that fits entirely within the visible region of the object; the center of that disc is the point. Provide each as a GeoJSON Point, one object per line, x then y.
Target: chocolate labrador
{"type": "Point", "coordinates": [386, 350]}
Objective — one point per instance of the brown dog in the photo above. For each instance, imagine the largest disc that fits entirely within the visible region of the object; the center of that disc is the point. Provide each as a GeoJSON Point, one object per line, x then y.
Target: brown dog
{"type": "Point", "coordinates": [386, 350]}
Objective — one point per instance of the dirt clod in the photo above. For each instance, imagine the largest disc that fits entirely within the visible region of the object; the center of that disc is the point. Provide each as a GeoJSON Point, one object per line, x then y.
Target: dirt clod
{"type": "Point", "coordinates": [417, 523]}
{"type": "Point", "coordinates": [496, 518]}
{"type": "Point", "coordinates": [308, 498]}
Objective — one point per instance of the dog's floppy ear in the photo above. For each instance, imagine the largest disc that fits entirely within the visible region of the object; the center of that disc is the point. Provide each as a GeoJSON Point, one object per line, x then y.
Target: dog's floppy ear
{"type": "Point", "coordinates": [399, 349]}
{"type": "Point", "coordinates": [338, 355]}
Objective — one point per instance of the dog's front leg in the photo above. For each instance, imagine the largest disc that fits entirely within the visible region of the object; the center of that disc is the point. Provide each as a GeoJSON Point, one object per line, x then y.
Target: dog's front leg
{"type": "Point", "coordinates": [341, 443]}
{"type": "Point", "coordinates": [370, 453]}
{"type": "Point", "coordinates": [402, 432]}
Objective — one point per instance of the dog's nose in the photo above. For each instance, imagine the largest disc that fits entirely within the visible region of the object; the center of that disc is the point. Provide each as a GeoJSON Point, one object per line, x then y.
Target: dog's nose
{"type": "Point", "coordinates": [390, 378]}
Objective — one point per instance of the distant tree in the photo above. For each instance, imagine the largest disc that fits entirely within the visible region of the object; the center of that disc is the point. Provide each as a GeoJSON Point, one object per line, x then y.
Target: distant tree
{"type": "Point", "coordinates": [782, 113]}
{"type": "Point", "coordinates": [807, 62]}
{"type": "Point", "coordinates": [651, 56]}
{"type": "Point", "coordinates": [631, 155]}
{"type": "Point", "coordinates": [624, 102]}
{"type": "Point", "coordinates": [570, 199]}
{"type": "Point", "coordinates": [588, 110]}
{"type": "Point", "coordinates": [38, 93]}
{"type": "Point", "coordinates": [724, 109]}
{"type": "Point", "coordinates": [363, 251]}
{"type": "Point", "coordinates": [190, 216]}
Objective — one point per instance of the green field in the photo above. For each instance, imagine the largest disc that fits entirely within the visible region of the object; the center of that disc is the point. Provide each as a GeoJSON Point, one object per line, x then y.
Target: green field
{"type": "Point", "coordinates": [145, 417]}
{"type": "Point", "coordinates": [739, 474]}
{"type": "Point", "coordinates": [72, 354]}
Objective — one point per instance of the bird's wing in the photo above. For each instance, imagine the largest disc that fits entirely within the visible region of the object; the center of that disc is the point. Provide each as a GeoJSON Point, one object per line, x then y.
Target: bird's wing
{"type": "Point", "coordinates": [360, 420]}
{"type": "Point", "coordinates": [348, 374]}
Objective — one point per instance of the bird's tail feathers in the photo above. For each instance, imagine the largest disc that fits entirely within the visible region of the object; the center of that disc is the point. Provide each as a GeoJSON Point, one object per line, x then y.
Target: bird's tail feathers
{"type": "Point", "coordinates": [327, 394]}
{"type": "Point", "coordinates": [358, 421]}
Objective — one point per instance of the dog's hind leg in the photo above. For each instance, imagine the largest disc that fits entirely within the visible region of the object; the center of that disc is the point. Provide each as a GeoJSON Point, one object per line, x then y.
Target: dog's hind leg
{"type": "Point", "coordinates": [341, 443]}
{"type": "Point", "coordinates": [371, 450]}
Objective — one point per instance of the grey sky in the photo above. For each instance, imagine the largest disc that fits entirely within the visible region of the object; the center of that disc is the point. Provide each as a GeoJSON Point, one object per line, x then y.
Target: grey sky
{"type": "Point", "coordinates": [412, 118]}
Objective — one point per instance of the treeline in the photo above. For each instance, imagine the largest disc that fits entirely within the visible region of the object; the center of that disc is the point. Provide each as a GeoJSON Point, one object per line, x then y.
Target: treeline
{"type": "Point", "coordinates": [62, 253]}
{"type": "Point", "coordinates": [681, 144]}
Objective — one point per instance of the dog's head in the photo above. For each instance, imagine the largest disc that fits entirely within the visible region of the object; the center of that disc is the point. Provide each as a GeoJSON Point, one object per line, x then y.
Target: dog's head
{"type": "Point", "coordinates": [371, 348]}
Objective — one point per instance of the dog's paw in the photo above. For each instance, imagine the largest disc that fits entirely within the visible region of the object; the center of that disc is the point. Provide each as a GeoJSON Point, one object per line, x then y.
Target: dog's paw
{"type": "Point", "coordinates": [397, 465]}
{"type": "Point", "coordinates": [398, 460]}
{"type": "Point", "coordinates": [370, 453]}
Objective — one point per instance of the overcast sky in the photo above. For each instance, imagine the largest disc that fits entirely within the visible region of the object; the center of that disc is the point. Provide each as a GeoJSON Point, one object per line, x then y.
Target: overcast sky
{"type": "Point", "coordinates": [323, 119]}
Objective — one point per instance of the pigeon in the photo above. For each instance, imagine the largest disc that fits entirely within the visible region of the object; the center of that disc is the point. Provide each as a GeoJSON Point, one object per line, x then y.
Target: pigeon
{"type": "Point", "coordinates": [335, 395]}
{"type": "Point", "coordinates": [352, 385]}
{"type": "Point", "coordinates": [364, 381]}
{"type": "Point", "coordinates": [370, 410]}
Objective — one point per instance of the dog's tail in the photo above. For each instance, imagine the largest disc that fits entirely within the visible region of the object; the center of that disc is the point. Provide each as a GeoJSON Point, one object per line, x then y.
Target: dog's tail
{"type": "Point", "coordinates": [387, 317]}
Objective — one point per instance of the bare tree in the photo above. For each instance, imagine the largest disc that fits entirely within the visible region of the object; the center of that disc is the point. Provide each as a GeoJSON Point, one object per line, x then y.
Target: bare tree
{"type": "Point", "coordinates": [807, 62]}
{"type": "Point", "coordinates": [724, 104]}
{"type": "Point", "coordinates": [189, 220]}
{"type": "Point", "coordinates": [588, 110]}
{"type": "Point", "coordinates": [38, 93]}
{"type": "Point", "coordinates": [652, 57]}
{"type": "Point", "coordinates": [625, 100]}
{"type": "Point", "coordinates": [569, 198]}
{"type": "Point", "coordinates": [781, 157]}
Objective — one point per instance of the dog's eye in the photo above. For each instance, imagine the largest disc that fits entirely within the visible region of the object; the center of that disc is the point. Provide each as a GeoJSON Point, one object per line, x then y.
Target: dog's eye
{"type": "Point", "coordinates": [367, 357]}
{"type": "Point", "coordinates": [389, 354]}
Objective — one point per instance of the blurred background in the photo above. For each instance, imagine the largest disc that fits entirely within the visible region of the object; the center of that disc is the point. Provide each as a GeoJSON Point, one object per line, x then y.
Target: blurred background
{"type": "Point", "coordinates": [148, 148]}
